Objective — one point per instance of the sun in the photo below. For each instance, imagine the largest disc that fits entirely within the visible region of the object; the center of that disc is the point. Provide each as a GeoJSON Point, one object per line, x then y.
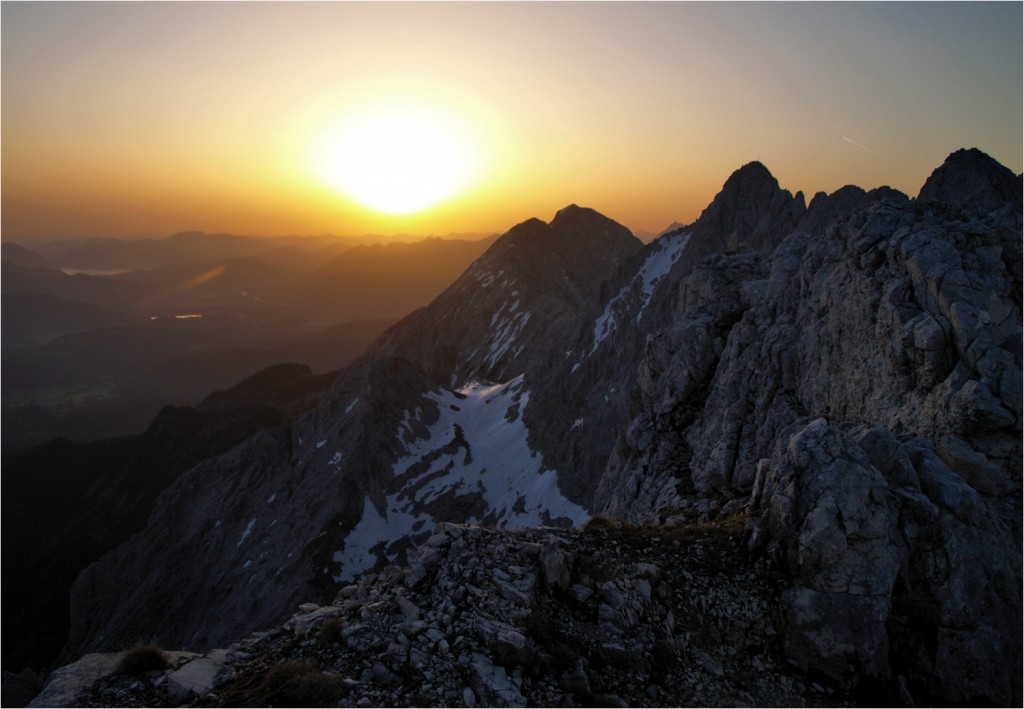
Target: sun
{"type": "Point", "coordinates": [398, 159]}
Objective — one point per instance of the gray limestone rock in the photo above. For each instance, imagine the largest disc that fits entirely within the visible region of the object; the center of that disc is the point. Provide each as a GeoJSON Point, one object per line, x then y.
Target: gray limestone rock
{"type": "Point", "coordinates": [835, 521]}
{"type": "Point", "coordinates": [555, 565]}
{"type": "Point", "coordinates": [507, 645]}
{"type": "Point", "coordinates": [196, 678]}
{"type": "Point", "coordinates": [65, 684]}
{"type": "Point", "coordinates": [491, 684]}
{"type": "Point", "coordinates": [882, 539]}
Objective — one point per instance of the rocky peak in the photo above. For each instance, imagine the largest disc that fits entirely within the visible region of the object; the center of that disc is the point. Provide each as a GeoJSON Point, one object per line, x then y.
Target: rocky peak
{"type": "Point", "coordinates": [751, 212]}
{"type": "Point", "coordinates": [577, 234]}
{"type": "Point", "coordinates": [825, 208]}
{"type": "Point", "coordinates": [972, 181]}
{"type": "Point", "coordinates": [583, 222]}
{"type": "Point", "coordinates": [536, 281]}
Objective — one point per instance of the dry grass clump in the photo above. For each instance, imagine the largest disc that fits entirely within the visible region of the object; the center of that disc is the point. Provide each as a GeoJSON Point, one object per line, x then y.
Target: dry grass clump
{"type": "Point", "coordinates": [606, 522]}
{"type": "Point", "coordinates": [142, 659]}
{"type": "Point", "coordinates": [300, 684]}
{"type": "Point", "coordinates": [330, 632]}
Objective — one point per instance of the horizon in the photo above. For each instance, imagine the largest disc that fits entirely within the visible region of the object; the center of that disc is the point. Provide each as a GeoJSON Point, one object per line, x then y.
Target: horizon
{"type": "Point", "coordinates": [397, 237]}
{"type": "Point", "coordinates": [132, 120]}
{"type": "Point", "coordinates": [405, 237]}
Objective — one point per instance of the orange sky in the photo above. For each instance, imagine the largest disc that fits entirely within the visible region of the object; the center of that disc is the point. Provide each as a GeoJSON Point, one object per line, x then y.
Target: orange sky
{"type": "Point", "coordinates": [144, 119]}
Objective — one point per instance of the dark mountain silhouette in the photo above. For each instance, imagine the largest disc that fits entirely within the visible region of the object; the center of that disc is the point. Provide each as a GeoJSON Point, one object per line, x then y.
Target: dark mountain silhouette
{"type": "Point", "coordinates": [378, 280]}
{"type": "Point", "coordinates": [289, 386]}
{"type": "Point", "coordinates": [970, 180]}
{"type": "Point", "coordinates": [111, 293]}
{"type": "Point", "coordinates": [199, 247]}
{"type": "Point", "coordinates": [184, 247]}
{"type": "Point", "coordinates": [21, 256]}
{"type": "Point", "coordinates": [65, 504]}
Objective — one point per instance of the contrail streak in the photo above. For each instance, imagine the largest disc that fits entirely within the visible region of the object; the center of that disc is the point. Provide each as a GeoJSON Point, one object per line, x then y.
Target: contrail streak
{"type": "Point", "coordinates": [862, 147]}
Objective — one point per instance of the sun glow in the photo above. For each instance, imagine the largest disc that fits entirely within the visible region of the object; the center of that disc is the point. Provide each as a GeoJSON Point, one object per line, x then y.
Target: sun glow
{"type": "Point", "coordinates": [398, 159]}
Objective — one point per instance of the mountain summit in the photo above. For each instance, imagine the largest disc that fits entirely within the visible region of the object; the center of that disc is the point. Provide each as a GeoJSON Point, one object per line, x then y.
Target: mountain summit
{"type": "Point", "coordinates": [527, 292]}
{"type": "Point", "coordinates": [844, 385]}
{"type": "Point", "coordinates": [751, 212]}
{"type": "Point", "coordinates": [970, 179]}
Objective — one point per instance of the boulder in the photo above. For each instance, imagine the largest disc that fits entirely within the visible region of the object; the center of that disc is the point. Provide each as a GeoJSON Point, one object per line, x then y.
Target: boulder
{"type": "Point", "coordinates": [835, 522]}
{"type": "Point", "coordinates": [196, 678]}
{"type": "Point", "coordinates": [65, 684]}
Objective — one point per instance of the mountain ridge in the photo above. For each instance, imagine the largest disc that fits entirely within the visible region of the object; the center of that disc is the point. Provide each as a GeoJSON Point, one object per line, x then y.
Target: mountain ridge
{"type": "Point", "coordinates": [797, 366]}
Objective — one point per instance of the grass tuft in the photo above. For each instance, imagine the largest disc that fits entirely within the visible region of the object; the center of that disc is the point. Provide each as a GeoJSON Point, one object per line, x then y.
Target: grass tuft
{"type": "Point", "coordinates": [300, 684]}
{"type": "Point", "coordinates": [142, 659]}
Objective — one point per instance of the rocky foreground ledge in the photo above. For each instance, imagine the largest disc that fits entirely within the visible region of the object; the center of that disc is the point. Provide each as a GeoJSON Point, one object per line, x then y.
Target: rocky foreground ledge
{"type": "Point", "coordinates": [609, 615]}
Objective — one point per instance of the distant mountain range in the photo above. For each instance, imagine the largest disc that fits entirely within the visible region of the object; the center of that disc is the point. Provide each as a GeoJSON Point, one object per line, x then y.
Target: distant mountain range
{"type": "Point", "coordinates": [384, 279]}
{"type": "Point", "coordinates": [89, 356]}
{"type": "Point", "coordinates": [20, 256]}
{"type": "Point", "coordinates": [198, 247]}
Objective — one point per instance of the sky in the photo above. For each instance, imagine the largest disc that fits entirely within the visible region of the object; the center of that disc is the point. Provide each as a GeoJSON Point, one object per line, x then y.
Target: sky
{"type": "Point", "coordinates": [144, 119]}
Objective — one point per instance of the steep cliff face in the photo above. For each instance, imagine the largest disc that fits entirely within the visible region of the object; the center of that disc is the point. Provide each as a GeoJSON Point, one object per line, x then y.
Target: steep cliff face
{"type": "Point", "coordinates": [846, 375]}
{"type": "Point", "coordinates": [894, 314]}
{"type": "Point", "coordinates": [866, 386]}
{"type": "Point", "coordinates": [66, 504]}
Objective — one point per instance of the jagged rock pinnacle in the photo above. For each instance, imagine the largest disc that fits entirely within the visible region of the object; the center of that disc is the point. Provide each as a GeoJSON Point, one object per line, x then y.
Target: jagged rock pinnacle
{"type": "Point", "coordinates": [750, 213]}
{"type": "Point", "coordinates": [972, 181]}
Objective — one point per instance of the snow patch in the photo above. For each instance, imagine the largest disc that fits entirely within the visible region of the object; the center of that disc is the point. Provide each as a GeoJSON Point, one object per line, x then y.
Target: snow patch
{"type": "Point", "coordinates": [658, 263]}
{"type": "Point", "coordinates": [335, 459]}
{"type": "Point", "coordinates": [372, 530]}
{"type": "Point", "coordinates": [511, 322]}
{"type": "Point", "coordinates": [271, 498]}
{"type": "Point", "coordinates": [487, 278]}
{"type": "Point", "coordinates": [665, 252]}
{"type": "Point", "coordinates": [576, 424]}
{"type": "Point", "coordinates": [352, 405]}
{"type": "Point", "coordinates": [246, 533]}
{"type": "Point", "coordinates": [605, 324]}
{"type": "Point", "coordinates": [494, 458]}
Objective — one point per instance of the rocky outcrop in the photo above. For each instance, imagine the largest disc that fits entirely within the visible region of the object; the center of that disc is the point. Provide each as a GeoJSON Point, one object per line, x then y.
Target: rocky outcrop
{"type": "Point", "coordinates": [864, 384]}
{"type": "Point", "coordinates": [971, 181]}
{"type": "Point", "coordinates": [517, 303]}
{"type": "Point", "coordinates": [896, 564]}
{"type": "Point", "coordinates": [884, 318]}
{"type": "Point", "coordinates": [645, 617]}
{"type": "Point", "coordinates": [750, 213]}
